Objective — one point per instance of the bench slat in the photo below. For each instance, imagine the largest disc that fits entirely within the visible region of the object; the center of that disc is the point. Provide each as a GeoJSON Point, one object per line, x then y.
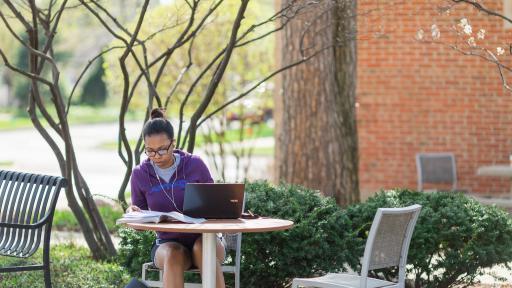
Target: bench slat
{"type": "Point", "coordinates": [25, 199]}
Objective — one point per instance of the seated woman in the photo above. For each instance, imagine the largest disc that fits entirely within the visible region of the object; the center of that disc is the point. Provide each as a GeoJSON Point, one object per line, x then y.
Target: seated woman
{"type": "Point", "coordinates": [158, 184]}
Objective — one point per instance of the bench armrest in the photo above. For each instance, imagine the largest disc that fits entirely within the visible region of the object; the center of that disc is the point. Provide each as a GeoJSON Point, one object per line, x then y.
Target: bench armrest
{"type": "Point", "coordinates": [24, 226]}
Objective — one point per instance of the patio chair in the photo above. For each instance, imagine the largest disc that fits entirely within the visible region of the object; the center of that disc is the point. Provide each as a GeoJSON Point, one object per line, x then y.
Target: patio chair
{"type": "Point", "coordinates": [27, 204]}
{"type": "Point", "coordinates": [233, 246]}
{"type": "Point", "coordinates": [387, 246]}
{"type": "Point", "coordinates": [436, 168]}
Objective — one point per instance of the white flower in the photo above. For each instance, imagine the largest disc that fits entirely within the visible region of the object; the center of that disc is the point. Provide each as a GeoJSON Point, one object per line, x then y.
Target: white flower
{"type": "Point", "coordinates": [468, 30]}
{"type": "Point", "coordinates": [436, 34]}
{"type": "Point", "coordinates": [420, 34]}
{"type": "Point", "coordinates": [481, 34]}
{"type": "Point", "coordinates": [471, 41]}
{"type": "Point", "coordinates": [463, 22]}
{"type": "Point", "coordinates": [500, 51]}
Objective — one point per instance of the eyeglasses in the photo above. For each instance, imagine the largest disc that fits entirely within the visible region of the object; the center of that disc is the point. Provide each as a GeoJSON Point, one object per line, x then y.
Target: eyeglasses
{"type": "Point", "coordinates": [161, 152]}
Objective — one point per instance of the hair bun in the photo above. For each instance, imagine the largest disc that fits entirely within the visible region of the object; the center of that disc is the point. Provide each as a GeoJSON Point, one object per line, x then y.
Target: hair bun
{"type": "Point", "coordinates": [157, 113]}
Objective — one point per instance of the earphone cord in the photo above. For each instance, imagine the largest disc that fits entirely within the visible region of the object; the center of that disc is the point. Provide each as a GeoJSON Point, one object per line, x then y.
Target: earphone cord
{"type": "Point", "coordinates": [172, 189]}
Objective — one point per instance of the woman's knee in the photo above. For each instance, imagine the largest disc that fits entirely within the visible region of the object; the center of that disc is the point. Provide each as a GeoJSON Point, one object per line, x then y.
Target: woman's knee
{"type": "Point", "coordinates": [197, 250]}
{"type": "Point", "coordinates": [171, 253]}
{"type": "Point", "coordinates": [198, 247]}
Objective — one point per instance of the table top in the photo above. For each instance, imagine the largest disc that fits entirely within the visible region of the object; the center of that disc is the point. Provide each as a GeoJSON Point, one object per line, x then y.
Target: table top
{"type": "Point", "coordinates": [218, 225]}
{"type": "Point", "coordinates": [495, 170]}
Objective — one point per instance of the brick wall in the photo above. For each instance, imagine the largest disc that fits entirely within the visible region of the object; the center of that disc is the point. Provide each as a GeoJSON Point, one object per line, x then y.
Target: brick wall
{"type": "Point", "coordinates": [420, 97]}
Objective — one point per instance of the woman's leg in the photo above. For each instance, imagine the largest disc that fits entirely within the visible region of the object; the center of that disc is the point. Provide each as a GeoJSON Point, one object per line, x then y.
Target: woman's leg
{"type": "Point", "coordinates": [173, 258]}
{"type": "Point", "coordinates": [197, 256]}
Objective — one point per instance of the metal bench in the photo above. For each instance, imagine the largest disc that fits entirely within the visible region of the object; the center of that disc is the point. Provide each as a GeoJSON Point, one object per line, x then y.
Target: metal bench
{"type": "Point", "coordinates": [27, 204]}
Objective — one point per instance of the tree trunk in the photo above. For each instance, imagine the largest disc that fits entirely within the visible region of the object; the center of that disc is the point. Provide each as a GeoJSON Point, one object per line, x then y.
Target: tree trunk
{"type": "Point", "coordinates": [316, 136]}
{"type": "Point", "coordinates": [93, 227]}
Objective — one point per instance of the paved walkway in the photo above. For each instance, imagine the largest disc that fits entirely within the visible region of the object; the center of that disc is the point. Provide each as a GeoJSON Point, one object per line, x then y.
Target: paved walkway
{"type": "Point", "coordinates": [102, 168]}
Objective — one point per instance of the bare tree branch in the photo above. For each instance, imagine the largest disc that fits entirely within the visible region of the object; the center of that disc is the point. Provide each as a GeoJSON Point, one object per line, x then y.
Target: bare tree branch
{"type": "Point", "coordinates": [18, 15]}
{"type": "Point", "coordinates": [283, 13]}
{"type": "Point", "coordinates": [20, 71]}
{"type": "Point", "coordinates": [248, 91]}
{"type": "Point", "coordinates": [482, 8]}
{"type": "Point", "coordinates": [214, 83]}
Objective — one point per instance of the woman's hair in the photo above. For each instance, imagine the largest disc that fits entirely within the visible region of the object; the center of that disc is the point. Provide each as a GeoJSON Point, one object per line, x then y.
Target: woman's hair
{"type": "Point", "coordinates": [158, 124]}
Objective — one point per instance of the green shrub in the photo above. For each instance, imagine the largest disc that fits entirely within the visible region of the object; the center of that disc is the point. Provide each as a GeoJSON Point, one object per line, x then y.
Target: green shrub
{"type": "Point", "coordinates": [64, 220]}
{"type": "Point", "coordinates": [320, 240]}
{"type": "Point", "coordinates": [94, 92]}
{"type": "Point", "coordinates": [71, 267]}
{"type": "Point", "coordinates": [135, 249]}
{"type": "Point", "coordinates": [454, 239]}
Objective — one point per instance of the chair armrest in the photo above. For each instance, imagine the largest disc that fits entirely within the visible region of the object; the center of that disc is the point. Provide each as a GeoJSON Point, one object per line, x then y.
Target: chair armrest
{"type": "Point", "coordinates": [24, 226]}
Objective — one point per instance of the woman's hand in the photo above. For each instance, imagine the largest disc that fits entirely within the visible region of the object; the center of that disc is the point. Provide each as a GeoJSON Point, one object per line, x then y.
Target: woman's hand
{"type": "Point", "coordinates": [133, 208]}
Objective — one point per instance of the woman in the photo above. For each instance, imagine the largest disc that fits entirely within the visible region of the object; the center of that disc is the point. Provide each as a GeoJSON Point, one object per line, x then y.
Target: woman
{"type": "Point", "coordinates": [158, 184]}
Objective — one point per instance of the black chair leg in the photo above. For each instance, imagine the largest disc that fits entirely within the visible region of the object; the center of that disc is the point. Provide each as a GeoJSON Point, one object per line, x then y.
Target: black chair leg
{"type": "Point", "coordinates": [46, 264]}
{"type": "Point", "coordinates": [47, 278]}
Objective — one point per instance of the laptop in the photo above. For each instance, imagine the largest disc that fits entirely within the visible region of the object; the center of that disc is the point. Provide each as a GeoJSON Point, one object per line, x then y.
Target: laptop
{"type": "Point", "coordinates": [214, 200]}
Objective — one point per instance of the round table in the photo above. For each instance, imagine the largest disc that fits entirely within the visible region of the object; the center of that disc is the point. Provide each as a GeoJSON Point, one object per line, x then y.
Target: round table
{"type": "Point", "coordinates": [209, 230]}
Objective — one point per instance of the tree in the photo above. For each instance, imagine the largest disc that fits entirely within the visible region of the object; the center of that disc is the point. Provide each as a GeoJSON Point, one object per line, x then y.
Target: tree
{"type": "Point", "coordinates": [248, 62]}
{"type": "Point", "coordinates": [44, 75]}
{"type": "Point", "coordinates": [95, 91]}
{"type": "Point", "coordinates": [316, 140]}
{"type": "Point", "coordinates": [40, 26]}
{"type": "Point", "coordinates": [21, 86]}
{"type": "Point", "coordinates": [205, 82]}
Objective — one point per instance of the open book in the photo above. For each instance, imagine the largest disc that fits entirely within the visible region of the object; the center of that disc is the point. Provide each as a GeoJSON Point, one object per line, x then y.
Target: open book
{"type": "Point", "coordinates": [156, 217]}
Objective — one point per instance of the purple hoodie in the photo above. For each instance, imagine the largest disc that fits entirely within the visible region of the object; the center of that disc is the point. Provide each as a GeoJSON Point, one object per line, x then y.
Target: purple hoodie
{"type": "Point", "coordinates": [147, 193]}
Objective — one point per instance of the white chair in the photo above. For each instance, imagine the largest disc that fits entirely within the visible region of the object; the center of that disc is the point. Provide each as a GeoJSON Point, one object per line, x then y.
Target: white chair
{"type": "Point", "coordinates": [387, 246]}
{"type": "Point", "coordinates": [233, 243]}
{"type": "Point", "coordinates": [436, 168]}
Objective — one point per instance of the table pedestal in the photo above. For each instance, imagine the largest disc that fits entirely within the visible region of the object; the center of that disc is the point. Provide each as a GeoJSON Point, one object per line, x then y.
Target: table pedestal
{"type": "Point", "coordinates": [209, 260]}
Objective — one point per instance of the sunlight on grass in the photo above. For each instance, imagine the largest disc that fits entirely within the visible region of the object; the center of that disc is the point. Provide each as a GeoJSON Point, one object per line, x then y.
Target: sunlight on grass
{"type": "Point", "coordinates": [231, 136]}
{"type": "Point", "coordinates": [4, 164]}
{"type": "Point", "coordinates": [12, 119]}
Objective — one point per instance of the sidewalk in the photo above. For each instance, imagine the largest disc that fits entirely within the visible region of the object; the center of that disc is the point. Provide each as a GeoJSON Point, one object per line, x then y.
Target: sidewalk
{"type": "Point", "coordinates": [77, 238]}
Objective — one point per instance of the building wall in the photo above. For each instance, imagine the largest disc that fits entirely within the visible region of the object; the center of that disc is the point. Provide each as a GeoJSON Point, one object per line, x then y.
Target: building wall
{"type": "Point", "coordinates": [422, 97]}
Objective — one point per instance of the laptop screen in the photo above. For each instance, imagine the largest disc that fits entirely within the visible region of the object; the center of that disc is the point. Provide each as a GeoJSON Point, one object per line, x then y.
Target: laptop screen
{"type": "Point", "coordinates": [214, 200]}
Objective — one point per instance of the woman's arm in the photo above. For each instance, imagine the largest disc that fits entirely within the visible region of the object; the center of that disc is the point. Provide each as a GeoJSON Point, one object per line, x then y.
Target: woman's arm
{"type": "Point", "coordinates": [138, 197]}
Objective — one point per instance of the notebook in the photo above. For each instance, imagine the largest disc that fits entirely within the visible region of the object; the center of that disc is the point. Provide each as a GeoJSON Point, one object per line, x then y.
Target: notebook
{"type": "Point", "coordinates": [145, 216]}
{"type": "Point", "coordinates": [214, 200]}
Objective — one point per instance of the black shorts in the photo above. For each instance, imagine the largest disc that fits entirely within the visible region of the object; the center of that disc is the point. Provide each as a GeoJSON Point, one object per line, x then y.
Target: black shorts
{"type": "Point", "coordinates": [187, 243]}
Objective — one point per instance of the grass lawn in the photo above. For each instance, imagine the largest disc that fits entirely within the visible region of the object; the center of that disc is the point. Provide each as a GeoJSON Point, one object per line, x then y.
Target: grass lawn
{"type": "Point", "coordinates": [6, 164]}
{"type": "Point", "coordinates": [259, 151]}
{"type": "Point", "coordinates": [11, 120]}
{"type": "Point", "coordinates": [259, 131]}
{"type": "Point", "coordinates": [64, 220]}
{"type": "Point", "coordinates": [71, 266]}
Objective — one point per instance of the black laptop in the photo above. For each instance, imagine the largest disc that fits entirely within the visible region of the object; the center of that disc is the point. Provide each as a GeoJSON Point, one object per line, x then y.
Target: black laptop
{"type": "Point", "coordinates": [214, 200]}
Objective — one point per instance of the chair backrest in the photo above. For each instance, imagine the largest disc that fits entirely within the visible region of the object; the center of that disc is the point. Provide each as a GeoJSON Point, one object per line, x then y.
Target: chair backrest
{"type": "Point", "coordinates": [234, 244]}
{"type": "Point", "coordinates": [435, 168]}
{"type": "Point", "coordinates": [388, 241]}
{"type": "Point", "coordinates": [26, 199]}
